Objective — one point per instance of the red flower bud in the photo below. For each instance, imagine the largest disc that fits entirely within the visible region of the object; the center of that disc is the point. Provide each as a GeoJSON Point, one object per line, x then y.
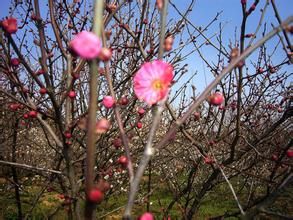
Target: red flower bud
{"type": "Point", "coordinates": [43, 91]}
{"type": "Point", "coordinates": [105, 54]}
{"type": "Point", "coordinates": [140, 111]}
{"type": "Point", "coordinates": [124, 100]}
{"type": "Point", "coordinates": [102, 126]}
{"type": "Point", "coordinates": [33, 114]}
{"type": "Point", "coordinates": [10, 25]}
{"type": "Point", "coordinates": [72, 94]}
{"type": "Point", "coordinates": [123, 161]}
{"type": "Point", "coordinates": [216, 98]}
{"type": "Point", "coordinates": [139, 125]}
{"type": "Point", "coordinates": [289, 153]}
{"type": "Point", "coordinates": [108, 101]}
{"type": "Point", "coordinates": [160, 4]}
{"type": "Point", "coordinates": [117, 142]}
{"type": "Point", "coordinates": [95, 196]}
{"type": "Point", "coordinates": [15, 62]}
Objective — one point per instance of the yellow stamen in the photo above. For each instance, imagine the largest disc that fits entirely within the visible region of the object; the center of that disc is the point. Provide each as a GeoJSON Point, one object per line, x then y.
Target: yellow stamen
{"type": "Point", "coordinates": [157, 84]}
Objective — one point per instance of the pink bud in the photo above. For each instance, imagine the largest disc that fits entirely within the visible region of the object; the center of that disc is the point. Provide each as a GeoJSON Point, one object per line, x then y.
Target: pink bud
{"type": "Point", "coordinates": [105, 54]}
{"type": "Point", "coordinates": [40, 72]}
{"type": "Point", "coordinates": [168, 43]}
{"type": "Point", "coordinates": [274, 157]}
{"type": "Point", "coordinates": [72, 94]}
{"type": "Point", "coordinates": [67, 135]}
{"type": "Point", "coordinates": [102, 126]}
{"type": "Point", "coordinates": [101, 71]}
{"type": "Point", "coordinates": [124, 100]}
{"type": "Point", "coordinates": [160, 4]}
{"type": "Point", "coordinates": [117, 142]}
{"type": "Point", "coordinates": [139, 125]}
{"type": "Point", "coordinates": [95, 196]}
{"type": "Point", "coordinates": [140, 111]}
{"type": "Point", "coordinates": [289, 153]}
{"type": "Point", "coordinates": [15, 62]}
{"type": "Point", "coordinates": [86, 44]}
{"type": "Point", "coordinates": [216, 98]}
{"type": "Point", "coordinates": [43, 91]}
{"type": "Point", "coordinates": [14, 106]}
{"type": "Point", "coordinates": [147, 216]}
{"type": "Point", "coordinates": [123, 161]}
{"type": "Point", "coordinates": [197, 115]}
{"type": "Point", "coordinates": [10, 25]}
{"type": "Point", "coordinates": [33, 114]}
{"type": "Point", "coordinates": [208, 160]}
{"type": "Point", "coordinates": [108, 101]}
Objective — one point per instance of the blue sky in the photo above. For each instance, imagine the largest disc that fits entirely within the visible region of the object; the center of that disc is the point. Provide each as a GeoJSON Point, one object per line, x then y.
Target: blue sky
{"type": "Point", "coordinates": [231, 16]}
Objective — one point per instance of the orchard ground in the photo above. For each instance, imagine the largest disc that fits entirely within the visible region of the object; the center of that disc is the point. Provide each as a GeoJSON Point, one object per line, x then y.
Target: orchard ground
{"type": "Point", "coordinates": [216, 203]}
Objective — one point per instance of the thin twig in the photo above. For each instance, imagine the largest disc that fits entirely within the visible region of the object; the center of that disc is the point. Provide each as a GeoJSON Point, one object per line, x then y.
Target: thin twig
{"type": "Point", "coordinates": [25, 166]}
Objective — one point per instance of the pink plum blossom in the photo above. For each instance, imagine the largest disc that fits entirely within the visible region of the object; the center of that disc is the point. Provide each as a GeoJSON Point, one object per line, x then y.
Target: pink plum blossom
{"type": "Point", "coordinates": [108, 101]}
{"type": "Point", "coordinates": [86, 44]}
{"type": "Point", "coordinates": [152, 81]}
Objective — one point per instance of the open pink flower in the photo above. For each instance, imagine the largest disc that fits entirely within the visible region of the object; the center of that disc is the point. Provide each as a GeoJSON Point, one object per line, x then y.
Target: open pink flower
{"type": "Point", "coordinates": [152, 81]}
{"type": "Point", "coordinates": [86, 44]}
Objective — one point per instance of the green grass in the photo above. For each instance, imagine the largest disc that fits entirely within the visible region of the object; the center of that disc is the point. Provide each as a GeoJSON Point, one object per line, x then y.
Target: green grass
{"type": "Point", "coordinates": [216, 202]}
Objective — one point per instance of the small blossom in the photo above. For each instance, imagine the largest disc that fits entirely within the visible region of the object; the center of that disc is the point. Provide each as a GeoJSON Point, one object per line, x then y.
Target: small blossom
{"type": "Point", "coordinates": [141, 111]}
{"type": "Point", "coordinates": [40, 72]}
{"type": "Point", "coordinates": [208, 160]}
{"type": "Point", "coordinates": [124, 100]}
{"type": "Point", "coordinates": [123, 161]}
{"type": "Point", "coordinates": [249, 35]}
{"type": "Point", "coordinates": [147, 216]}
{"type": "Point", "coordinates": [216, 98]}
{"type": "Point", "coordinates": [15, 62]}
{"type": "Point", "coordinates": [86, 44]}
{"type": "Point", "coordinates": [33, 114]}
{"type": "Point", "coordinates": [72, 94]}
{"type": "Point", "coordinates": [102, 126]}
{"type": "Point", "coordinates": [160, 4]}
{"type": "Point", "coordinates": [196, 115]}
{"type": "Point", "coordinates": [67, 134]}
{"type": "Point", "coordinates": [108, 101]}
{"type": "Point", "coordinates": [95, 196]}
{"type": "Point", "coordinates": [105, 54]}
{"type": "Point", "coordinates": [10, 25]}
{"type": "Point", "coordinates": [139, 125]}
{"type": "Point", "coordinates": [117, 142]}
{"type": "Point", "coordinates": [14, 106]}
{"type": "Point", "coordinates": [168, 43]}
{"type": "Point", "coordinates": [289, 153]}
{"type": "Point", "coordinates": [152, 81]}
{"type": "Point", "coordinates": [43, 91]}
